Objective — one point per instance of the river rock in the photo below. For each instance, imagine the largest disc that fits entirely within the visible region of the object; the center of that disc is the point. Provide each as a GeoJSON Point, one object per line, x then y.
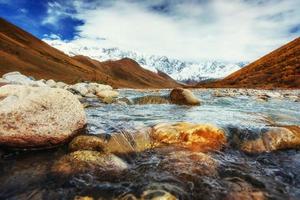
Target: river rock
{"type": "Point", "coordinates": [107, 94]}
{"type": "Point", "coordinates": [3, 81]}
{"type": "Point", "coordinates": [51, 83]}
{"type": "Point", "coordinates": [241, 190]}
{"type": "Point", "coordinates": [61, 85]}
{"type": "Point", "coordinates": [38, 116]}
{"type": "Point", "coordinates": [96, 87]}
{"type": "Point", "coordinates": [275, 138]}
{"type": "Point", "coordinates": [120, 143]}
{"type": "Point", "coordinates": [195, 162]}
{"type": "Point", "coordinates": [183, 97]}
{"type": "Point", "coordinates": [198, 137]}
{"type": "Point", "coordinates": [88, 161]}
{"type": "Point", "coordinates": [81, 88]}
{"type": "Point", "coordinates": [151, 100]}
{"type": "Point", "coordinates": [83, 198]}
{"type": "Point", "coordinates": [157, 195]}
{"type": "Point", "coordinates": [124, 101]}
{"type": "Point", "coordinates": [20, 79]}
{"type": "Point", "coordinates": [87, 142]}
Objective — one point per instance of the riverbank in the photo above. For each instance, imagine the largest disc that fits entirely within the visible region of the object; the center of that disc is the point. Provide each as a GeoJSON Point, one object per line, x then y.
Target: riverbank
{"type": "Point", "coordinates": [234, 144]}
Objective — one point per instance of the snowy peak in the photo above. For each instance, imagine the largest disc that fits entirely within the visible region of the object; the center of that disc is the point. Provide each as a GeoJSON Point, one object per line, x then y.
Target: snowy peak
{"type": "Point", "coordinates": [184, 71]}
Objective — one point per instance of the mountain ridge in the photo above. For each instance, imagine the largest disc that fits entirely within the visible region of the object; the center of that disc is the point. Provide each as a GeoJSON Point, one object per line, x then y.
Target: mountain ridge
{"type": "Point", "coordinates": [183, 71]}
{"type": "Point", "coordinates": [23, 52]}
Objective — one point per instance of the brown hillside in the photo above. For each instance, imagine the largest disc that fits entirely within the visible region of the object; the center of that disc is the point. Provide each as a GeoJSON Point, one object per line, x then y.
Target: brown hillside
{"type": "Point", "coordinates": [21, 51]}
{"type": "Point", "coordinates": [278, 69]}
{"type": "Point", "coordinates": [129, 73]}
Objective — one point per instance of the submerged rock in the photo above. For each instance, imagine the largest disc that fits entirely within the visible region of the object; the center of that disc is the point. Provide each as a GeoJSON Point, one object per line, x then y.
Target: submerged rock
{"type": "Point", "coordinates": [88, 161]}
{"type": "Point", "coordinates": [157, 195]}
{"type": "Point", "coordinates": [275, 138]}
{"type": "Point", "coordinates": [87, 142]}
{"type": "Point", "coordinates": [241, 190]}
{"type": "Point", "coordinates": [83, 198]}
{"type": "Point", "coordinates": [121, 143]}
{"type": "Point", "coordinates": [151, 100]}
{"type": "Point", "coordinates": [183, 97]}
{"type": "Point", "coordinates": [124, 100]}
{"type": "Point", "coordinates": [129, 142]}
{"type": "Point", "coordinates": [38, 116]}
{"type": "Point", "coordinates": [198, 137]}
{"type": "Point", "coordinates": [185, 163]}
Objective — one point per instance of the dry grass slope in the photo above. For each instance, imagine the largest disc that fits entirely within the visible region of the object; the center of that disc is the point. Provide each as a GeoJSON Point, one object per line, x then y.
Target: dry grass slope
{"type": "Point", "coordinates": [21, 51]}
{"type": "Point", "coordinates": [278, 69]}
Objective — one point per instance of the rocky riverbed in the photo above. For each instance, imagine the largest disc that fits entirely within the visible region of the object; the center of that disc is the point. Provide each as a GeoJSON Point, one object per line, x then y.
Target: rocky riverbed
{"type": "Point", "coordinates": [90, 141]}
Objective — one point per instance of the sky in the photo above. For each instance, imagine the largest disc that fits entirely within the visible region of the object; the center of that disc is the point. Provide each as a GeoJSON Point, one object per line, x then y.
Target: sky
{"type": "Point", "coordinates": [194, 30]}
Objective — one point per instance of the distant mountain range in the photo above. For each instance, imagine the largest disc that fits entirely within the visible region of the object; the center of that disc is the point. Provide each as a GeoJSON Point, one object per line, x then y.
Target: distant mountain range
{"type": "Point", "coordinates": [183, 71]}
{"type": "Point", "coordinates": [21, 51]}
{"type": "Point", "coordinates": [278, 69]}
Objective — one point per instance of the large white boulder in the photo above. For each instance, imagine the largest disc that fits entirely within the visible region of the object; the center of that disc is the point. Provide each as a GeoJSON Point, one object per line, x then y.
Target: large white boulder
{"type": "Point", "coordinates": [38, 116]}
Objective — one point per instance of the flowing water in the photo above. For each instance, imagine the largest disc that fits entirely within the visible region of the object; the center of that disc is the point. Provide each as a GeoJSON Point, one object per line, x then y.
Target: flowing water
{"type": "Point", "coordinates": [170, 170]}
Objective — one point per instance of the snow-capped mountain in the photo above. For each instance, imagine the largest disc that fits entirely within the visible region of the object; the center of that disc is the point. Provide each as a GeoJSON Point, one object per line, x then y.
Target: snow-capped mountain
{"type": "Point", "coordinates": [184, 71]}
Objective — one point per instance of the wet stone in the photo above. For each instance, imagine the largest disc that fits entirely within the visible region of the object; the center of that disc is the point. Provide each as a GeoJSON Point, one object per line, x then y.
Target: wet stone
{"type": "Point", "coordinates": [151, 100]}
{"type": "Point", "coordinates": [275, 138]}
{"type": "Point", "coordinates": [88, 161]}
{"type": "Point", "coordinates": [196, 137]}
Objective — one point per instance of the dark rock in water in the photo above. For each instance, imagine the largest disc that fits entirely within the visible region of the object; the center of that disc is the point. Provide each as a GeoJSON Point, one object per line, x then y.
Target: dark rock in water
{"type": "Point", "coordinates": [176, 161]}
{"type": "Point", "coordinates": [183, 97]}
{"type": "Point", "coordinates": [38, 117]}
{"type": "Point", "coordinates": [276, 138]}
{"type": "Point", "coordinates": [88, 161]}
{"type": "Point", "coordinates": [263, 97]}
{"type": "Point", "coordinates": [125, 100]}
{"type": "Point", "coordinates": [151, 100]}
{"type": "Point", "coordinates": [177, 96]}
{"type": "Point", "coordinates": [240, 190]}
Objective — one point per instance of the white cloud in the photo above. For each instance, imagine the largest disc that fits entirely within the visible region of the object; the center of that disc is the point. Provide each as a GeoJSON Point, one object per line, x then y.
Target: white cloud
{"type": "Point", "coordinates": [232, 30]}
{"type": "Point", "coordinates": [55, 12]}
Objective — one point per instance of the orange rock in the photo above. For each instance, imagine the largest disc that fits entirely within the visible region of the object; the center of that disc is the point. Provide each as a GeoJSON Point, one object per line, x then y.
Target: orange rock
{"type": "Point", "coordinates": [197, 137]}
